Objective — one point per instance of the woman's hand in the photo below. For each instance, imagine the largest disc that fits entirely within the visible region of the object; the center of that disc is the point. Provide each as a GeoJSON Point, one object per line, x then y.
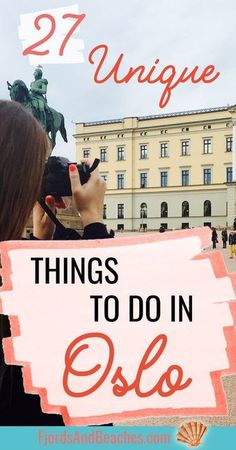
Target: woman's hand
{"type": "Point", "coordinates": [88, 198]}
{"type": "Point", "coordinates": [43, 227]}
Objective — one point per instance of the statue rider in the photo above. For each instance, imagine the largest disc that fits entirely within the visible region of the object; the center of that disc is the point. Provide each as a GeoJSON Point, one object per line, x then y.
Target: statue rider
{"type": "Point", "coordinates": [38, 90]}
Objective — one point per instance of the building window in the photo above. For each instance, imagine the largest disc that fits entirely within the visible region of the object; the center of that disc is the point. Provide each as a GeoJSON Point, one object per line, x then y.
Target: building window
{"type": "Point", "coordinates": [229, 174]}
{"type": "Point", "coordinates": [104, 211]}
{"type": "Point", "coordinates": [185, 177]}
{"type": "Point", "coordinates": [143, 210]}
{"type": "Point", "coordinates": [207, 147]}
{"type": "Point", "coordinates": [86, 153]}
{"type": "Point", "coordinates": [120, 153]}
{"type": "Point", "coordinates": [229, 144]}
{"type": "Point", "coordinates": [120, 211]}
{"type": "Point", "coordinates": [28, 233]}
{"type": "Point", "coordinates": [164, 209]}
{"type": "Point", "coordinates": [143, 227]}
{"type": "Point", "coordinates": [185, 148]}
{"type": "Point", "coordinates": [164, 225]}
{"type": "Point", "coordinates": [185, 225]}
{"type": "Point", "coordinates": [143, 179]}
{"type": "Point", "coordinates": [143, 151]}
{"type": "Point", "coordinates": [120, 227]}
{"type": "Point", "coordinates": [164, 149]}
{"type": "Point", "coordinates": [185, 209]}
{"type": "Point", "coordinates": [207, 208]}
{"type": "Point", "coordinates": [207, 176]}
{"type": "Point", "coordinates": [103, 154]}
{"type": "Point", "coordinates": [120, 181]}
{"type": "Point", "coordinates": [164, 178]}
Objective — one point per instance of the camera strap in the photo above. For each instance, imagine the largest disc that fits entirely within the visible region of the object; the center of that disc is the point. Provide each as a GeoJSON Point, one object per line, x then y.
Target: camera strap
{"type": "Point", "coordinates": [62, 232]}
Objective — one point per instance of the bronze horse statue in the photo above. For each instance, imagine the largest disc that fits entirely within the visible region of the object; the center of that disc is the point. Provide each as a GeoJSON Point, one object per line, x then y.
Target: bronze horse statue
{"type": "Point", "coordinates": [55, 120]}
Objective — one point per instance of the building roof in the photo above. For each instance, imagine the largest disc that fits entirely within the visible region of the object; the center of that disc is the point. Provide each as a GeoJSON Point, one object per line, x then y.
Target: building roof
{"type": "Point", "coordinates": [161, 116]}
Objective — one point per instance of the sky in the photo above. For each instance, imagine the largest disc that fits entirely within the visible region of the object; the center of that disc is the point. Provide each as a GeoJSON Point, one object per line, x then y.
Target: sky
{"type": "Point", "coordinates": [179, 32]}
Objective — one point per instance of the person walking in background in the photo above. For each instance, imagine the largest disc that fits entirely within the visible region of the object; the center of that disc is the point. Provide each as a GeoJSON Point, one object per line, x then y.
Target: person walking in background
{"type": "Point", "coordinates": [224, 236]}
{"type": "Point", "coordinates": [232, 240]}
{"type": "Point", "coordinates": [214, 238]}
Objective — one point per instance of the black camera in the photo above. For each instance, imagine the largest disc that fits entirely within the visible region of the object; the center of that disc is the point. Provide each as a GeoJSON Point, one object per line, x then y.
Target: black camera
{"type": "Point", "coordinates": [56, 180]}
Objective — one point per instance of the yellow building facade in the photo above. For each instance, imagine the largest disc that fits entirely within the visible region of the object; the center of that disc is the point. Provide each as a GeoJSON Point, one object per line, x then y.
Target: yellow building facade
{"type": "Point", "coordinates": [172, 170]}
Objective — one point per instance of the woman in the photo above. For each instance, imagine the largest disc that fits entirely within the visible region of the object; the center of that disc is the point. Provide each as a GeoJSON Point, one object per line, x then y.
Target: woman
{"type": "Point", "coordinates": [24, 147]}
{"type": "Point", "coordinates": [232, 242]}
{"type": "Point", "coordinates": [224, 237]}
{"type": "Point", "coordinates": [214, 238]}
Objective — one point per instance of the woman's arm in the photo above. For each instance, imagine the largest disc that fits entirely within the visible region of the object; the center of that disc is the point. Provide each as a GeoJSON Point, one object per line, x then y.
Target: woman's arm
{"type": "Point", "coordinates": [88, 198]}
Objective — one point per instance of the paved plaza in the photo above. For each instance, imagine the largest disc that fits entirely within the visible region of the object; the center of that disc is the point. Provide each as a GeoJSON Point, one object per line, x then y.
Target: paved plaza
{"type": "Point", "coordinates": [230, 263]}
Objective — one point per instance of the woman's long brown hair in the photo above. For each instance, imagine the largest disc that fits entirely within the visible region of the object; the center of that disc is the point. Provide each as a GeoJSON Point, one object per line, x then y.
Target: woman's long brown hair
{"type": "Point", "coordinates": [23, 149]}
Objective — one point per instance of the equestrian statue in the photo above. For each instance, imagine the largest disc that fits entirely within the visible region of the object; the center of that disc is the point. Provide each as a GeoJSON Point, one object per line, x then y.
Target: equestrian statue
{"type": "Point", "coordinates": [35, 101]}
